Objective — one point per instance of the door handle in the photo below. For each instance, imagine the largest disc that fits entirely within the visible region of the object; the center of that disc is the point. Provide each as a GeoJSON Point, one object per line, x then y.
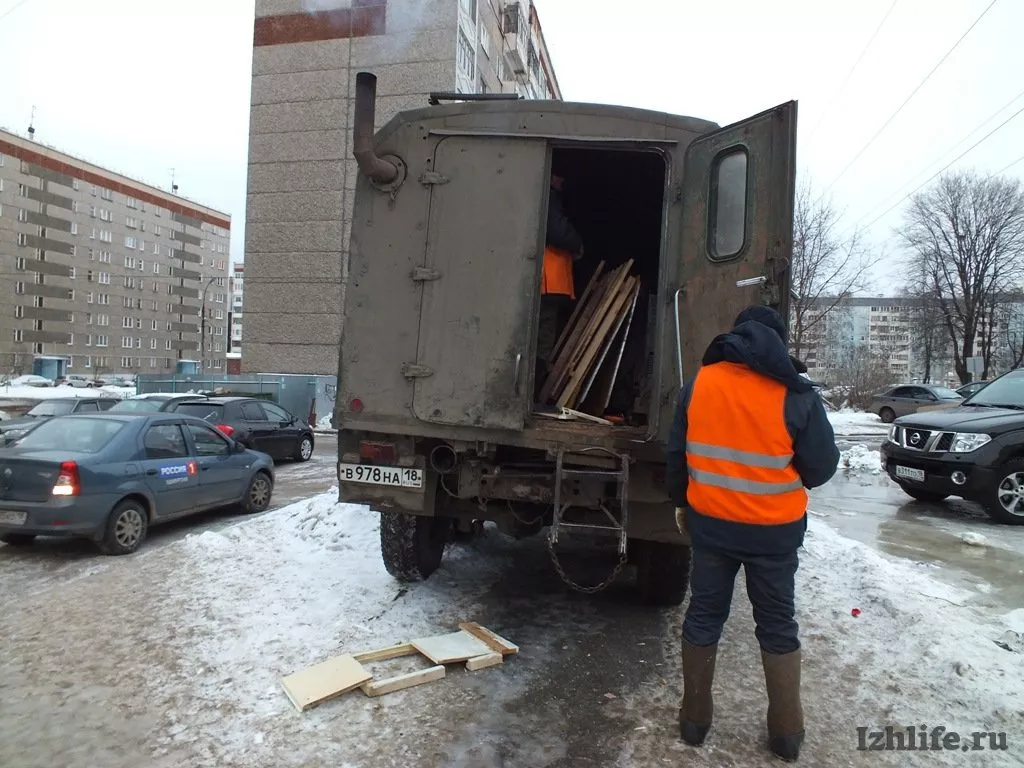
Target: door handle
{"type": "Point", "coordinates": [515, 373]}
{"type": "Point", "coordinates": [151, 472]}
{"type": "Point", "coordinates": [679, 337]}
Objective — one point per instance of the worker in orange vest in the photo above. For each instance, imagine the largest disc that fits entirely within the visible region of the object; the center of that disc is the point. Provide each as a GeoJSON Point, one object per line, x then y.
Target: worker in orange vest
{"type": "Point", "coordinates": [749, 436]}
{"type": "Point", "coordinates": [563, 246]}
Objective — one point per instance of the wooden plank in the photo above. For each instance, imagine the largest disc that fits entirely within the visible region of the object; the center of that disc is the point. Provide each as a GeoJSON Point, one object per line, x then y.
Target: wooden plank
{"type": "Point", "coordinates": [574, 348]}
{"type": "Point", "coordinates": [577, 310]}
{"type": "Point", "coordinates": [493, 641]}
{"type": "Point", "coordinates": [562, 360]}
{"type": "Point", "coordinates": [605, 374]}
{"type": "Point", "coordinates": [606, 348]}
{"type": "Point", "coordinates": [401, 682]}
{"type": "Point", "coordinates": [452, 648]}
{"type": "Point", "coordinates": [323, 681]}
{"type": "Point", "coordinates": [383, 654]}
{"type": "Point", "coordinates": [482, 662]}
{"type": "Point", "coordinates": [587, 358]}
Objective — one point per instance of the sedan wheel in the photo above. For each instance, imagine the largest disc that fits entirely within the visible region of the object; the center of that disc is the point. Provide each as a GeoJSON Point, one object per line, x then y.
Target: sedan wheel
{"type": "Point", "coordinates": [887, 415]}
{"type": "Point", "coordinates": [126, 528]}
{"type": "Point", "coordinates": [305, 448]}
{"type": "Point", "coordinates": [260, 491]}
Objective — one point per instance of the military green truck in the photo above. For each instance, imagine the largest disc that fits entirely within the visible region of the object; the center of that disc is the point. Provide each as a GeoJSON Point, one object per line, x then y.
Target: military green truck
{"type": "Point", "coordinates": [438, 430]}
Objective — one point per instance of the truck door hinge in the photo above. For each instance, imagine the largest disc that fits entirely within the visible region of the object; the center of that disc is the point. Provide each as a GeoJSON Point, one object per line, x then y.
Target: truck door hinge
{"type": "Point", "coordinates": [433, 177]}
{"type": "Point", "coordinates": [414, 371]}
{"type": "Point", "coordinates": [424, 274]}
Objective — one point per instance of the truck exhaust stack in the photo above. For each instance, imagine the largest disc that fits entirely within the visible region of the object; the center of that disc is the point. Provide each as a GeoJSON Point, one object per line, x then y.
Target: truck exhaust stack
{"type": "Point", "coordinates": [376, 169]}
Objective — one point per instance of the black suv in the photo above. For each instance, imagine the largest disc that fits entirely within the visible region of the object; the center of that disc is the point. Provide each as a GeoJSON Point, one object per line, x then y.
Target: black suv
{"type": "Point", "coordinates": [974, 450]}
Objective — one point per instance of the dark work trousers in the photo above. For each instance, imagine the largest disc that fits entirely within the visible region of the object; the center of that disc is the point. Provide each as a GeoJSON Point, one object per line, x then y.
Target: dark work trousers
{"type": "Point", "coordinates": [554, 310]}
{"type": "Point", "coordinates": [770, 587]}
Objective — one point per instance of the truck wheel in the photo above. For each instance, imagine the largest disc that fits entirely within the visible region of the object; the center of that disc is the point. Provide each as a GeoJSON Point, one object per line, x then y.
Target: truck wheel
{"type": "Point", "coordinates": [663, 572]}
{"type": "Point", "coordinates": [1005, 502]}
{"type": "Point", "coordinates": [412, 545]}
{"type": "Point", "coordinates": [922, 495]}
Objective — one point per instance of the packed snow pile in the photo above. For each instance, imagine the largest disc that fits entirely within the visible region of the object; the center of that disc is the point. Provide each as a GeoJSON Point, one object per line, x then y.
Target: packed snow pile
{"type": "Point", "coordinates": [974, 539]}
{"type": "Point", "coordinates": [850, 422]}
{"type": "Point", "coordinates": [11, 393]}
{"type": "Point", "coordinates": [861, 459]}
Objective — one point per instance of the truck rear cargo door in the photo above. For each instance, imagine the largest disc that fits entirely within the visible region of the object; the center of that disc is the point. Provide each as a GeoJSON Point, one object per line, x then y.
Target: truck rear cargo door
{"type": "Point", "coordinates": [738, 192]}
{"type": "Point", "coordinates": [480, 282]}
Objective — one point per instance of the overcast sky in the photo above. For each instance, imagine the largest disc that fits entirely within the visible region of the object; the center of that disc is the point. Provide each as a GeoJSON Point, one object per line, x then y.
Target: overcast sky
{"type": "Point", "coordinates": [143, 86]}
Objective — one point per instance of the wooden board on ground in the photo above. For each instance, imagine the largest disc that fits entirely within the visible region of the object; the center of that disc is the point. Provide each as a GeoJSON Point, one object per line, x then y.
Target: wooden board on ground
{"type": "Point", "coordinates": [401, 682]}
{"type": "Point", "coordinates": [452, 648]}
{"type": "Point", "coordinates": [383, 654]}
{"type": "Point", "coordinates": [577, 310]}
{"type": "Point", "coordinates": [324, 681]}
{"type": "Point", "coordinates": [482, 662]}
{"type": "Point", "coordinates": [493, 641]}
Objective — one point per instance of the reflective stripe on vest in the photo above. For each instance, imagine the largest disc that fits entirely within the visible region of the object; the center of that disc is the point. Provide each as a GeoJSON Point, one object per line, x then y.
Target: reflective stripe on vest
{"type": "Point", "coordinates": [739, 452]}
{"type": "Point", "coordinates": [557, 274]}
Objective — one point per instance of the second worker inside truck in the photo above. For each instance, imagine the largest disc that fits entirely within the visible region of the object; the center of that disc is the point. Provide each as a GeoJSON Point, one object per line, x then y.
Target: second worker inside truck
{"type": "Point", "coordinates": [563, 246]}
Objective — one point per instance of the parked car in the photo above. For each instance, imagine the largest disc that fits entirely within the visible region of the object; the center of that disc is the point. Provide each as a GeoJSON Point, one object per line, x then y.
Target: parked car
{"type": "Point", "coordinates": [257, 424]}
{"type": "Point", "coordinates": [12, 429]}
{"type": "Point", "coordinates": [967, 390]}
{"type": "Point", "coordinates": [975, 451]}
{"type": "Point", "coordinates": [76, 380]}
{"type": "Point", "coordinates": [30, 380]}
{"type": "Point", "coordinates": [154, 402]}
{"type": "Point", "coordinates": [110, 476]}
{"type": "Point", "coordinates": [909, 398]}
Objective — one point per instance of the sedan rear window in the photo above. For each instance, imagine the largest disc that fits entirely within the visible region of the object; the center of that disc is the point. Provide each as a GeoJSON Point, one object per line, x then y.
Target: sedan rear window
{"type": "Point", "coordinates": [208, 411]}
{"type": "Point", "coordinates": [77, 433]}
{"type": "Point", "coordinates": [138, 406]}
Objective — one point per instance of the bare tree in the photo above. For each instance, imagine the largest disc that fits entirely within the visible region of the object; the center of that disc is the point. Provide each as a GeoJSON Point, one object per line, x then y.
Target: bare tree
{"type": "Point", "coordinates": [827, 267]}
{"type": "Point", "coordinates": [1013, 349]}
{"type": "Point", "coordinates": [965, 237]}
{"type": "Point", "coordinates": [927, 331]}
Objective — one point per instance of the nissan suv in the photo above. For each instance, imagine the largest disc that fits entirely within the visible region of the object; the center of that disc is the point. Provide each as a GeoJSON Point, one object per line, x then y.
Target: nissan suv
{"type": "Point", "coordinates": [974, 451]}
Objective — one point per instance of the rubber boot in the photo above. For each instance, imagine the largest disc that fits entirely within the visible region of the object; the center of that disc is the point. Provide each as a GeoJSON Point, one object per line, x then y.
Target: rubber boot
{"type": "Point", "coordinates": [785, 713]}
{"type": "Point", "coordinates": [697, 709]}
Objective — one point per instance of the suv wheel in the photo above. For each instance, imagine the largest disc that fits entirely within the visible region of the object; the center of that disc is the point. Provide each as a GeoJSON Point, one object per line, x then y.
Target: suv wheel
{"type": "Point", "coordinates": [1005, 502]}
{"type": "Point", "coordinates": [887, 415]}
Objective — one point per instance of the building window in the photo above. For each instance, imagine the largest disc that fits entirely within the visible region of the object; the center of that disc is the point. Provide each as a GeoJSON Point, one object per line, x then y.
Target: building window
{"type": "Point", "coordinates": [75, 185]}
{"type": "Point", "coordinates": [156, 268]}
{"type": "Point", "coordinates": [18, 336]}
{"type": "Point", "coordinates": [71, 339]}
{"type": "Point", "coordinates": [106, 194]}
{"type": "Point", "coordinates": [104, 257]}
{"type": "Point", "coordinates": [71, 272]}
{"type": "Point", "coordinates": [131, 222]}
{"type": "Point", "coordinates": [106, 236]}
{"type": "Point", "coordinates": [102, 340]}
{"type": "Point", "coordinates": [464, 56]}
{"type": "Point", "coordinates": [74, 227]}
{"type": "Point", "coordinates": [104, 278]}
{"type": "Point", "coordinates": [106, 215]}
{"type": "Point", "coordinates": [130, 242]}
{"type": "Point", "coordinates": [131, 202]}
{"type": "Point", "coordinates": [156, 249]}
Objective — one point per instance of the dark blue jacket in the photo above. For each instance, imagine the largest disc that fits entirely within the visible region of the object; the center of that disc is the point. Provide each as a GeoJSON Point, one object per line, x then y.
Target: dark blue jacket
{"type": "Point", "coordinates": [815, 455]}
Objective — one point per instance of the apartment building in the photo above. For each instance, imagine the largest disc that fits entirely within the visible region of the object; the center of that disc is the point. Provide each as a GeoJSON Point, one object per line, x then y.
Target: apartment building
{"type": "Point", "coordinates": [103, 274]}
{"type": "Point", "coordinates": [301, 173]}
{"type": "Point", "coordinates": [235, 321]}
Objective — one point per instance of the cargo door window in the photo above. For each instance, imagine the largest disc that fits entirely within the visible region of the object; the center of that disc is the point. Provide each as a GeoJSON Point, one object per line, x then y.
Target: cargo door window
{"type": "Point", "coordinates": [738, 189]}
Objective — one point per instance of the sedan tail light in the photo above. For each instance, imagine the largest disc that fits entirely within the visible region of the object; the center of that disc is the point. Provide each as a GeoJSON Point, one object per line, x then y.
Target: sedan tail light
{"type": "Point", "coordinates": [68, 483]}
{"type": "Point", "coordinates": [226, 429]}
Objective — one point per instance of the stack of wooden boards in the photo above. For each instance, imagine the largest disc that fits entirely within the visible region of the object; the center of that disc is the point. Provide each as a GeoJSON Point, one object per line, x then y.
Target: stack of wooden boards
{"type": "Point", "coordinates": [586, 359]}
{"type": "Point", "coordinates": [477, 646]}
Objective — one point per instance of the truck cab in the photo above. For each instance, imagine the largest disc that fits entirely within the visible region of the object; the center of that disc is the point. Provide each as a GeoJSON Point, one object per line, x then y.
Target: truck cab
{"type": "Point", "coordinates": [684, 223]}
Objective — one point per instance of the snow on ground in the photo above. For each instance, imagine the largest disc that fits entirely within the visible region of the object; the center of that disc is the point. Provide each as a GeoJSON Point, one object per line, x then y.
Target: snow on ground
{"type": "Point", "coordinates": [850, 422]}
{"type": "Point", "coordinates": [861, 459]}
{"type": "Point", "coordinates": [48, 393]}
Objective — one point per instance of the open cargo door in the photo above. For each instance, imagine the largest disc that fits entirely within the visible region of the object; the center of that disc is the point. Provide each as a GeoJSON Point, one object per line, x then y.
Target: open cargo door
{"type": "Point", "coordinates": [738, 191]}
{"type": "Point", "coordinates": [480, 282]}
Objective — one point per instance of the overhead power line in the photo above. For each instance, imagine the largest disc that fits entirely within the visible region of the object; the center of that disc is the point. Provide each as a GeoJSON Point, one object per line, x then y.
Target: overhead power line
{"type": "Point", "coordinates": [906, 101]}
{"type": "Point", "coordinates": [978, 127]}
{"type": "Point", "coordinates": [939, 172]}
{"type": "Point", "coordinates": [1008, 167]}
{"type": "Point", "coordinates": [846, 80]}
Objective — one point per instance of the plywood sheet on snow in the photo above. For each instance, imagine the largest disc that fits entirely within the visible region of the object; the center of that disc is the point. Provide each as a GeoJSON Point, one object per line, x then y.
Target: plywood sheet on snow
{"type": "Point", "coordinates": [450, 649]}
{"type": "Point", "coordinates": [324, 681]}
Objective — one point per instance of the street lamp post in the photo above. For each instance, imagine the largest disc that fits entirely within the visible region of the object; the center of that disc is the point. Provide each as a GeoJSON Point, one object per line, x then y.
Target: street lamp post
{"type": "Point", "coordinates": [202, 327]}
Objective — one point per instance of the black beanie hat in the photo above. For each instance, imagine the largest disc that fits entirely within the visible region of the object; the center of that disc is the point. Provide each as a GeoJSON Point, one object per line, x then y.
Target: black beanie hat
{"type": "Point", "coordinates": [759, 313]}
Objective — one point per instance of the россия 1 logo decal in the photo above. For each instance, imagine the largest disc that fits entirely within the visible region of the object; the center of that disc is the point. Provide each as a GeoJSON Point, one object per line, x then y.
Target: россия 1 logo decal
{"type": "Point", "coordinates": [189, 469]}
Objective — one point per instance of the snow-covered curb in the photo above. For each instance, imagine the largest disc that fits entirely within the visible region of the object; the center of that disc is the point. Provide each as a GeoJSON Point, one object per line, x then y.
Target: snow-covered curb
{"type": "Point", "coordinates": [850, 422]}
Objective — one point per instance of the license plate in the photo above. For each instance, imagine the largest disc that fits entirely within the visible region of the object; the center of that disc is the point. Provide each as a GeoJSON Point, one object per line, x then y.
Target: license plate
{"type": "Point", "coordinates": [401, 477]}
{"type": "Point", "coordinates": [910, 473]}
{"type": "Point", "coordinates": [13, 518]}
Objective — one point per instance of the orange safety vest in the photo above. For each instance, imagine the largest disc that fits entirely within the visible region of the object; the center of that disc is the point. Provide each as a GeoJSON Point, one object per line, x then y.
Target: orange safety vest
{"type": "Point", "coordinates": [739, 453]}
{"type": "Point", "coordinates": [557, 275]}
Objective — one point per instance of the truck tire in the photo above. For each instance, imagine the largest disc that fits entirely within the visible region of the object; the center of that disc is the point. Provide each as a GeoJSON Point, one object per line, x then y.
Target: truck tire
{"type": "Point", "coordinates": [412, 545]}
{"type": "Point", "coordinates": [662, 572]}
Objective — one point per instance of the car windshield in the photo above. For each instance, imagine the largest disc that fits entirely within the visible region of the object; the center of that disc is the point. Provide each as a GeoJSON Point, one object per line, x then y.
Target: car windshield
{"type": "Point", "coordinates": [209, 411]}
{"type": "Point", "coordinates": [137, 406]}
{"type": "Point", "coordinates": [944, 393]}
{"type": "Point", "coordinates": [76, 433]}
{"type": "Point", "coordinates": [51, 408]}
{"type": "Point", "coordinates": [1007, 390]}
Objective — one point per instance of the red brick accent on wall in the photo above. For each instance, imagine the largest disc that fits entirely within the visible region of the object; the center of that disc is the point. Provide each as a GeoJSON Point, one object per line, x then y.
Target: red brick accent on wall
{"type": "Point", "coordinates": [364, 19]}
{"type": "Point", "coordinates": [75, 172]}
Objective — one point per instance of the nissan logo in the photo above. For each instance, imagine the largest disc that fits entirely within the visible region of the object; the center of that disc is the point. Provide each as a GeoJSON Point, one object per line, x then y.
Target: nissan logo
{"type": "Point", "coordinates": [915, 438]}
